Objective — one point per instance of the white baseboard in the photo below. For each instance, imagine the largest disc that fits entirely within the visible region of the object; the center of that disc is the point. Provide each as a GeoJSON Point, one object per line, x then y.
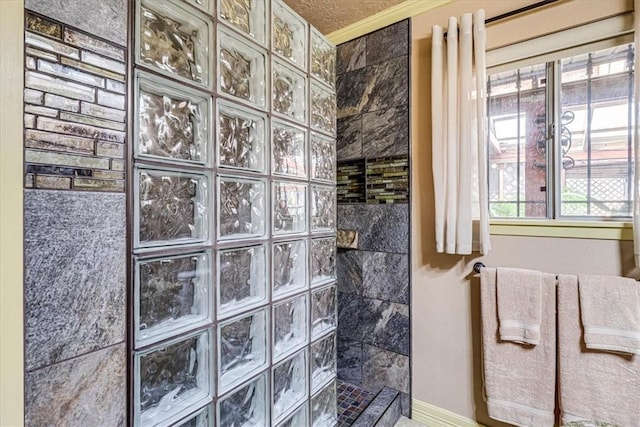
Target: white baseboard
{"type": "Point", "coordinates": [434, 416]}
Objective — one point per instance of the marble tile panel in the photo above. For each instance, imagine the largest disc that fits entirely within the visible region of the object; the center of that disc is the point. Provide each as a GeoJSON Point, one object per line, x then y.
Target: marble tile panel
{"type": "Point", "coordinates": [29, 121]}
{"type": "Point", "coordinates": [83, 41]}
{"type": "Point", "coordinates": [40, 53]}
{"type": "Point", "coordinates": [349, 361]}
{"type": "Point", "coordinates": [102, 62]}
{"type": "Point", "coordinates": [43, 26]}
{"type": "Point", "coordinates": [91, 184]}
{"type": "Point", "coordinates": [52, 182]}
{"type": "Point", "coordinates": [388, 42]}
{"type": "Point", "coordinates": [386, 325]}
{"type": "Point", "coordinates": [349, 316]}
{"type": "Point", "coordinates": [40, 111]}
{"type": "Point", "coordinates": [33, 96]}
{"type": "Point", "coordinates": [89, 390]}
{"type": "Point", "coordinates": [62, 103]}
{"type": "Point", "coordinates": [386, 132]}
{"type": "Point", "coordinates": [30, 62]}
{"type": "Point", "coordinates": [103, 18]}
{"type": "Point", "coordinates": [351, 90]}
{"type": "Point", "coordinates": [102, 112]}
{"type": "Point", "coordinates": [75, 274]}
{"type": "Point", "coordinates": [57, 86]}
{"type": "Point", "coordinates": [55, 47]}
{"type": "Point", "coordinates": [383, 411]}
{"type": "Point", "coordinates": [351, 55]}
{"type": "Point", "coordinates": [349, 271]}
{"type": "Point", "coordinates": [385, 276]}
{"type": "Point", "coordinates": [384, 368]}
{"type": "Point", "coordinates": [92, 121]}
{"type": "Point", "coordinates": [92, 69]}
{"type": "Point", "coordinates": [405, 403]}
{"type": "Point", "coordinates": [70, 73]}
{"type": "Point", "coordinates": [59, 159]}
{"type": "Point", "coordinates": [387, 85]}
{"type": "Point", "coordinates": [349, 137]}
{"type": "Point", "coordinates": [111, 100]}
{"type": "Point", "coordinates": [78, 129]}
{"type": "Point", "coordinates": [381, 228]}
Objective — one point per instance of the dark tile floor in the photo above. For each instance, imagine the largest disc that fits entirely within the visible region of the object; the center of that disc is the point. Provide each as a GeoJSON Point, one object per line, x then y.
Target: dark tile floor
{"type": "Point", "coordinates": [352, 400]}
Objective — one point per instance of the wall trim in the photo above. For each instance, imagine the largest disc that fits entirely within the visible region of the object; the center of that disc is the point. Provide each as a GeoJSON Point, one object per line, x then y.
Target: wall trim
{"type": "Point", "coordinates": [388, 16]}
{"type": "Point", "coordinates": [434, 416]}
{"type": "Point", "coordinates": [605, 230]}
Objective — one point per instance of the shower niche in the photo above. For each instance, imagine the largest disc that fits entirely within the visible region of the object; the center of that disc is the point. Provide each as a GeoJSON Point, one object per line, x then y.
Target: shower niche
{"type": "Point", "coordinates": [233, 216]}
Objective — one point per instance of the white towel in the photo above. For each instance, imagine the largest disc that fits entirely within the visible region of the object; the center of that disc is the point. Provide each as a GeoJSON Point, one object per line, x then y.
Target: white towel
{"type": "Point", "coordinates": [593, 385]}
{"type": "Point", "coordinates": [610, 312]}
{"type": "Point", "coordinates": [519, 380]}
{"type": "Point", "coordinates": [519, 305]}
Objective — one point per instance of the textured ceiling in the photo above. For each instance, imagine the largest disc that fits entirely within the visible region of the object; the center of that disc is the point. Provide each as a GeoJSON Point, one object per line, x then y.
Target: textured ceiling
{"type": "Point", "coordinates": [331, 15]}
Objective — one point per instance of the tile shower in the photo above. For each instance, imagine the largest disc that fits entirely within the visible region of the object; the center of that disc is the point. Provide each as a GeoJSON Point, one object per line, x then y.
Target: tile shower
{"type": "Point", "coordinates": [234, 216]}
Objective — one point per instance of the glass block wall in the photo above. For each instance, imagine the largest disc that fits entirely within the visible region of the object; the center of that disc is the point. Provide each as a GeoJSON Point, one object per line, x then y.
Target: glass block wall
{"type": "Point", "coordinates": [234, 216]}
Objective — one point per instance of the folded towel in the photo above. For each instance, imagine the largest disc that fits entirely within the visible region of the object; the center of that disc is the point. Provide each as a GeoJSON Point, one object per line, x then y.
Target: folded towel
{"type": "Point", "coordinates": [610, 311]}
{"type": "Point", "coordinates": [519, 305]}
{"type": "Point", "coordinates": [593, 385]}
{"type": "Point", "coordinates": [519, 381]}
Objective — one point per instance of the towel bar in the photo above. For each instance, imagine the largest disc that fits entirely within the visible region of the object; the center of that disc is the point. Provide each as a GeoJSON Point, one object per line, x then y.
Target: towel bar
{"type": "Point", "coordinates": [478, 265]}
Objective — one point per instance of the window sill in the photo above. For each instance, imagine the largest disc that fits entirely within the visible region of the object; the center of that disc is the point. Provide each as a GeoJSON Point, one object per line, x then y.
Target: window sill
{"type": "Point", "coordinates": [604, 230]}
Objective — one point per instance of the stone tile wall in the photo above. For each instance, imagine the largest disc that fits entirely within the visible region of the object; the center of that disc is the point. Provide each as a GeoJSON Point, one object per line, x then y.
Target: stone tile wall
{"type": "Point", "coordinates": [74, 212]}
{"type": "Point", "coordinates": [374, 344]}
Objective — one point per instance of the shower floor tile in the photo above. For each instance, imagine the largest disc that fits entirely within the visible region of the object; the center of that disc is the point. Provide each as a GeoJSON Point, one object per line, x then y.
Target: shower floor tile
{"type": "Point", "coordinates": [352, 400]}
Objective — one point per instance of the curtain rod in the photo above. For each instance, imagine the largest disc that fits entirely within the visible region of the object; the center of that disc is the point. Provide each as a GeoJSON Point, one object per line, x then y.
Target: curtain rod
{"type": "Point", "coordinates": [516, 11]}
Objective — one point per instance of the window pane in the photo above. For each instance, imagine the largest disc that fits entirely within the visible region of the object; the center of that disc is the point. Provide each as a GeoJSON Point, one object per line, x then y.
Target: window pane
{"type": "Point", "coordinates": [596, 115]}
{"type": "Point", "coordinates": [517, 143]}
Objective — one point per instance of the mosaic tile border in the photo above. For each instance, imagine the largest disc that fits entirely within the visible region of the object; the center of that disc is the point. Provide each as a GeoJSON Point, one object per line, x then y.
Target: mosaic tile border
{"type": "Point", "coordinates": [383, 180]}
{"type": "Point", "coordinates": [74, 109]}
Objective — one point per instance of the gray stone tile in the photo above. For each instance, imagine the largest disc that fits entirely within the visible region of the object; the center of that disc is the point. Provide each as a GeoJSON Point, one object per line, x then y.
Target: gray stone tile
{"type": "Point", "coordinates": [381, 228]}
{"type": "Point", "coordinates": [386, 325]}
{"type": "Point", "coordinates": [405, 402]}
{"type": "Point", "coordinates": [386, 132]}
{"type": "Point", "coordinates": [385, 368]}
{"type": "Point", "coordinates": [103, 18]}
{"type": "Point", "coordinates": [387, 85]}
{"type": "Point", "coordinates": [388, 42]}
{"type": "Point", "coordinates": [350, 316]}
{"type": "Point", "coordinates": [86, 391]}
{"type": "Point", "coordinates": [383, 411]}
{"type": "Point", "coordinates": [75, 274]}
{"type": "Point", "coordinates": [349, 271]}
{"type": "Point", "coordinates": [350, 90]}
{"type": "Point", "coordinates": [386, 276]}
{"type": "Point", "coordinates": [349, 137]}
{"type": "Point", "coordinates": [351, 55]}
{"type": "Point", "coordinates": [349, 361]}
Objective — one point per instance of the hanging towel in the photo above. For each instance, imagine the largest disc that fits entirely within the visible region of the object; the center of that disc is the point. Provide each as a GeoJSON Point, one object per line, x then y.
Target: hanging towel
{"type": "Point", "coordinates": [593, 385]}
{"type": "Point", "coordinates": [610, 311]}
{"type": "Point", "coordinates": [519, 305]}
{"type": "Point", "coordinates": [519, 381]}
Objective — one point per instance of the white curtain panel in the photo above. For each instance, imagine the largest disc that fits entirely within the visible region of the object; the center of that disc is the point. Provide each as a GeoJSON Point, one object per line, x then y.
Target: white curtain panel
{"type": "Point", "coordinates": [636, 136]}
{"type": "Point", "coordinates": [458, 105]}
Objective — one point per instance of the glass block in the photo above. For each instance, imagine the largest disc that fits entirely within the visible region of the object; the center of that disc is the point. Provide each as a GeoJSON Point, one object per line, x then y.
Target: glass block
{"type": "Point", "coordinates": [172, 294]}
{"type": "Point", "coordinates": [174, 39]}
{"type": "Point", "coordinates": [289, 207]}
{"type": "Point", "coordinates": [323, 158]}
{"type": "Point", "coordinates": [173, 121]}
{"type": "Point", "coordinates": [173, 379]}
{"type": "Point", "coordinates": [323, 260]}
{"type": "Point", "coordinates": [323, 208]}
{"type": "Point", "coordinates": [323, 109]}
{"type": "Point", "coordinates": [289, 384]}
{"type": "Point", "coordinates": [202, 418]}
{"type": "Point", "coordinates": [289, 267]}
{"type": "Point", "coordinates": [247, 16]}
{"type": "Point", "coordinates": [241, 208]}
{"type": "Point", "coordinates": [323, 58]}
{"type": "Point", "coordinates": [172, 208]}
{"type": "Point", "coordinates": [298, 418]}
{"type": "Point", "coordinates": [289, 326]}
{"type": "Point", "coordinates": [323, 407]}
{"type": "Point", "coordinates": [242, 350]}
{"type": "Point", "coordinates": [241, 69]}
{"type": "Point", "coordinates": [323, 310]}
{"type": "Point", "coordinates": [288, 150]}
{"type": "Point", "coordinates": [242, 136]}
{"type": "Point", "coordinates": [323, 361]}
{"type": "Point", "coordinates": [289, 89]}
{"type": "Point", "coordinates": [289, 34]}
{"type": "Point", "coordinates": [245, 407]}
{"type": "Point", "coordinates": [242, 279]}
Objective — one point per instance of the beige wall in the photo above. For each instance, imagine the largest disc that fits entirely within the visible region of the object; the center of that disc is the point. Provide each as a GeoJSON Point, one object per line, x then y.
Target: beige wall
{"type": "Point", "coordinates": [445, 296]}
{"type": "Point", "coordinates": [11, 332]}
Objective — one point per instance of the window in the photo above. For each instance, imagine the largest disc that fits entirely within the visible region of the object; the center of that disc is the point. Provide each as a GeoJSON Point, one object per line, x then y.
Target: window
{"type": "Point", "coordinates": [560, 137]}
